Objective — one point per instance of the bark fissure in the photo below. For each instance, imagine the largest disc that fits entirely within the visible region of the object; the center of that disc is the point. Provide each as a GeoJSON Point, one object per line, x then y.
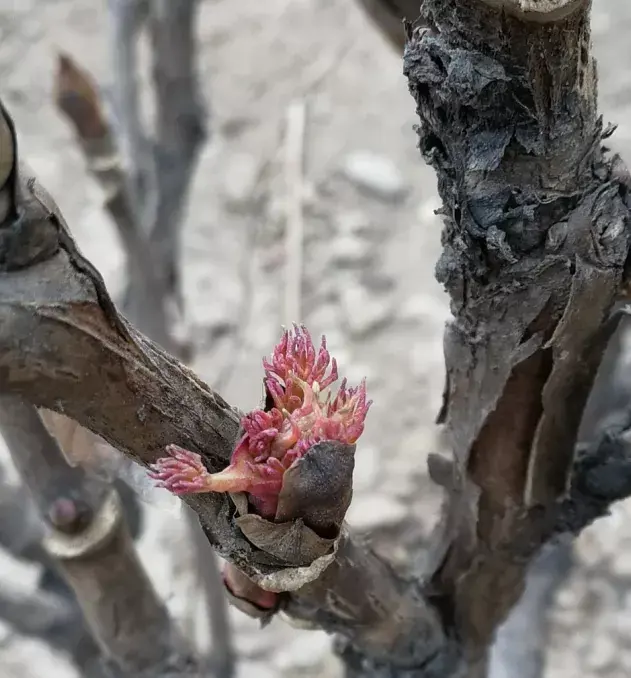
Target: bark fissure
{"type": "Point", "coordinates": [535, 239]}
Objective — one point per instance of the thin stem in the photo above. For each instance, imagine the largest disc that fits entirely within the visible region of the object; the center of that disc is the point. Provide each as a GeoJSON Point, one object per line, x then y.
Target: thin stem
{"type": "Point", "coordinates": [42, 465]}
{"type": "Point", "coordinates": [180, 125]}
{"type": "Point", "coordinates": [294, 223]}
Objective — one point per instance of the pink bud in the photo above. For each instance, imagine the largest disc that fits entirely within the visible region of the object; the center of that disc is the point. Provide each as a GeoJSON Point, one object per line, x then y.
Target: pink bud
{"type": "Point", "coordinates": [295, 378]}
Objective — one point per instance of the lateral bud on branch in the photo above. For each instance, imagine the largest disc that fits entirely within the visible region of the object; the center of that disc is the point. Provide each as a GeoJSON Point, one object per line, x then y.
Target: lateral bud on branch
{"type": "Point", "coordinates": [65, 347]}
{"type": "Point", "coordinates": [290, 476]}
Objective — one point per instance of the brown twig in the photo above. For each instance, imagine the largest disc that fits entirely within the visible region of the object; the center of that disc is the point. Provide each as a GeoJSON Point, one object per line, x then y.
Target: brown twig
{"type": "Point", "coordinates": [88, 539]}
{"type": "Point", "coordinates": [42, 465]}
{"type": "Point", "coordinates": [78, 99]}
{"type": "Point", "coordinates": [127, 18]}
{"type": "Point", "coordinates": [294, 222]}
{"type": "Point", "coordinates": [180, 126]}
{"type": "Point", "coordinates": [118, 601]}
{"type": "Point", "coordinates": [208, 579]}
{"type": "Point", "coordinates": [160, 401]}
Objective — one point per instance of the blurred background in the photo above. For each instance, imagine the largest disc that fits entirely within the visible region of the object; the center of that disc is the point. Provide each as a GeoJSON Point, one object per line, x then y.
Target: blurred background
{"type": "Point", "coordinates": [370, 243]}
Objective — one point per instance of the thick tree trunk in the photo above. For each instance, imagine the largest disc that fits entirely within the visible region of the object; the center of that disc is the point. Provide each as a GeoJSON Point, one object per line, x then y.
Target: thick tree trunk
{"type": "Point", "coordinates": [535, 244]}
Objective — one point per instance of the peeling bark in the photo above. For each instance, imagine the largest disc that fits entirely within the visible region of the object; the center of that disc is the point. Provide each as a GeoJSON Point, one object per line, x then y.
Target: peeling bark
{"type": "Point", "coordinates": [535, 241]}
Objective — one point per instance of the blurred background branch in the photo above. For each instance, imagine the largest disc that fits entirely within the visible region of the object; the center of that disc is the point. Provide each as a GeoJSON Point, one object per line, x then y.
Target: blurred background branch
{"type": "Point", "coordinates": [146, 200]}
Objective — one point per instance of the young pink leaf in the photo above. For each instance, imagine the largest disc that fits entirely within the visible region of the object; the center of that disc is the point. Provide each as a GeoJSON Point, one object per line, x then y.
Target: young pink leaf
{"type": "Point", "coordinates": [296, 377]}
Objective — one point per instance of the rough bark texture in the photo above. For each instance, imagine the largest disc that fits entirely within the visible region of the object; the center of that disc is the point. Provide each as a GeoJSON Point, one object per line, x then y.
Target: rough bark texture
{"type": "Point", "coordinates": [535, 243]}
{"type": "Point", "coordinates": [537, 10]}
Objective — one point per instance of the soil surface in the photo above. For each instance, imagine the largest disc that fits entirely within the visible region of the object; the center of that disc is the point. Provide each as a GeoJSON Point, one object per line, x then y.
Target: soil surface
{"type": "Point", "coordinates": [371, 241]}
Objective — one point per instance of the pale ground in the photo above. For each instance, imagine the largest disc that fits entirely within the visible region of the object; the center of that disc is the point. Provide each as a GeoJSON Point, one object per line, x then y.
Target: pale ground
{"type": "Point", "coordinates": [368, 274]}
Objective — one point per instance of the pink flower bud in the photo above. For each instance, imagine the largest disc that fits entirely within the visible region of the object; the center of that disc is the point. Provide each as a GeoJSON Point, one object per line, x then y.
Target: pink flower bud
{"type": "Point", "coordinates": [296, 377]}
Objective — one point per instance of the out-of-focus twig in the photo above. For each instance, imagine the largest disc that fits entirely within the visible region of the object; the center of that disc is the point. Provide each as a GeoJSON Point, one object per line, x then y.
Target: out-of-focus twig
{"type": "Point", "coordinates": [180, 133]}
{"type": "Point", "coordinates": [120, 605]}
{"type": "Point", "coordinates": [52, 615]}
{"type": "Point", "coordinates": [127, 18]}
{"type": "Point", "coordinates": [43, 468]}
{"type": "Point", "coordinates": [20, 527]}
{"type": "Point", "coordinates": [520, 646]}
{"type": "Point", "coordinates": [78, 99]}
{"type": "Point", "coordinates": [88, 537]}
{"type": "Point", "coordinates": [32, 615]}
{"type": "Point", "coordinates": [180, 125]}
{"type": "Point", "coordinates": [56, 620]}
{"type": "Point", "coordinates": [294, 224]}
{"type": "Point", "coordinates": [208, 578]}
{"type": "Point", "coordinates": [90, 542]}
